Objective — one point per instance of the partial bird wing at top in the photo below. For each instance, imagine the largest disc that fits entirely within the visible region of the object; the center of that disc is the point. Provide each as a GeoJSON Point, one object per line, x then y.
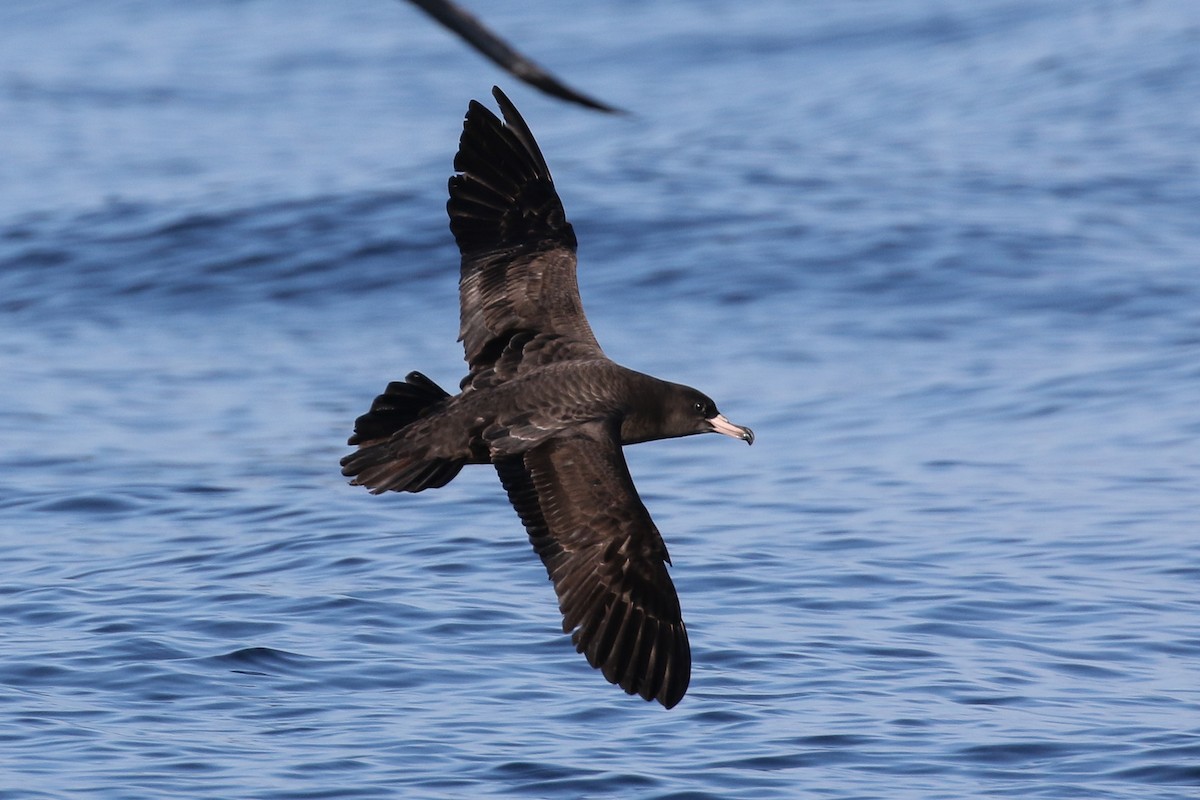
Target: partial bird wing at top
{"type": "Point", "coordinates": [606, 558]}
{"type": "Point", "coordinates": [476, 34]}
{"type": "Point", "coordinates": [518, 250]}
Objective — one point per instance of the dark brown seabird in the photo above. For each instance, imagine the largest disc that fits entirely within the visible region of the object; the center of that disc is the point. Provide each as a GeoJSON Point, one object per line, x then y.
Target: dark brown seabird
{"type": "Point", "coordinates": [544, 405]}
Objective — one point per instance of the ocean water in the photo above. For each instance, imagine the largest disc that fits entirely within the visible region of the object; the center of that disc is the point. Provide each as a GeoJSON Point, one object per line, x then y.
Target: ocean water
{"type": "Point", "coordinates": [944, 258]}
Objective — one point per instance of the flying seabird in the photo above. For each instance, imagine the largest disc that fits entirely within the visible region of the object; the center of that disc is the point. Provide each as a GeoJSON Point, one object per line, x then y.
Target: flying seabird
{"type": "Point", "coordinates": [549, 410]}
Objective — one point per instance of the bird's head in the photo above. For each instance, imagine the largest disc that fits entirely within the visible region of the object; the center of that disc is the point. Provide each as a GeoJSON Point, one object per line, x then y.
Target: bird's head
{"type": "Point", "coordinates": [681, 411]}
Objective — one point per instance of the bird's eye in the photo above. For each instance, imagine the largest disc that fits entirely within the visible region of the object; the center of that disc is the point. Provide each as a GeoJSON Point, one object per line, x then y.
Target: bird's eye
{"type": "Point", "coordinates": [698, 406]}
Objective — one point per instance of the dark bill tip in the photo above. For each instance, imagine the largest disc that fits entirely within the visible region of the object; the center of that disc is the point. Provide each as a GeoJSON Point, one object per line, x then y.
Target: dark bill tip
{"type": "Point", "coordinates": [724, 426]}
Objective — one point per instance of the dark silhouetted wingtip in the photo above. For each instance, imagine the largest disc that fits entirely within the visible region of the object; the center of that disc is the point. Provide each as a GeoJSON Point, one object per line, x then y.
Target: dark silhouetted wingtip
{"type": "Point", "coordinates": [500, 52]}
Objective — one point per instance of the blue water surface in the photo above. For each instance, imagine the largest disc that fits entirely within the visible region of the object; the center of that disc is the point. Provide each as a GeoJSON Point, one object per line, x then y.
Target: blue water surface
{"type": "Point", "coordinates": [944, 258]}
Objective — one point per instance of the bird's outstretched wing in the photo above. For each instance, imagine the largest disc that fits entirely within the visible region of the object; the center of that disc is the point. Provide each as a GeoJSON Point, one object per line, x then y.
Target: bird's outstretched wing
{"type": "Point", "coordinates": [606, 559]}
{"type": "Point", "coordinates": [476, 34]}
{"type": "Point", "coordinates": [518, 250]}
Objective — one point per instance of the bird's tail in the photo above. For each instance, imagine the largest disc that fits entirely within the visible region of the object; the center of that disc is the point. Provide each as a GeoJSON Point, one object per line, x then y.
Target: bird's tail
{"type": "Point", "coordinates": [382, 463]}
{"type": "Point", "coordinates": [401, 404]}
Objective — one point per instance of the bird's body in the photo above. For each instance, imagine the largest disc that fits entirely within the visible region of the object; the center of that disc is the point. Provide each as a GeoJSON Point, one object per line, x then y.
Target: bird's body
{"type": "Point", "coordinates": [546, 407]}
